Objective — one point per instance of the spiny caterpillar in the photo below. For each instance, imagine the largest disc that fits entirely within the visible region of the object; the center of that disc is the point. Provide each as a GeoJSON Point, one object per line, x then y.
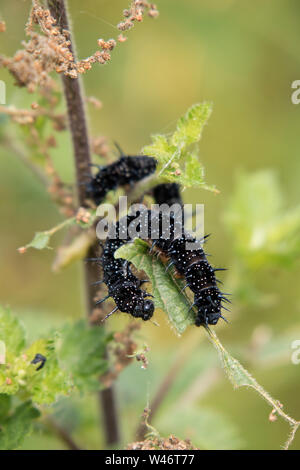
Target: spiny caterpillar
{"type": "Point", "coordinates": [123, 286]}
{"type": "Point", "coordinates": [192, 264]}
{"type": "Point", "coordinates": [167, 193]}
{"type": "Point", "coordinates": [126, 170]}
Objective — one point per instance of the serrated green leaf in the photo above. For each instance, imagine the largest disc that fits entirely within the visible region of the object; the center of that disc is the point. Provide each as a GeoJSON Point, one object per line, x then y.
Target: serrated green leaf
{"type": "Point", "coordinates": [82, 352]}
{"type": "Point", "coordinates": [190, 126]}
{"type": "Point", "coordinates": [165, 289]}
{"type": "Point", "coordinates": [12, 332]}
{"type": "Point", "coordinates": [160, 148]}
{"type": "Point", "coordinates": [14, 429]}
{"type": "Point", "coordinates": [52, 380]}
{"type": "Point", "coordinates": [192, 176]}
{"type": "Point", "coordinates": [176, 164]}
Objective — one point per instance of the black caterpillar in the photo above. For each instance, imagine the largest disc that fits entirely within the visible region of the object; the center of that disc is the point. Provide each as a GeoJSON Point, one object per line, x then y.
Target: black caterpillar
{"type": "Point", "coordinates": [192, 264]}
{"type": "Point", "coordinates": [123, 285]}
{"type": "Point", "coordinates": [126, 170]}
{"type": "Point", "coordinates": [167, 193]}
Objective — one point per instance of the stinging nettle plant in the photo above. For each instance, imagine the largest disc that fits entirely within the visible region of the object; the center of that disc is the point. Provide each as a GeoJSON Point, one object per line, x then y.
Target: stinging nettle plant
{"type": "Point", "coordinates": [83, 357]}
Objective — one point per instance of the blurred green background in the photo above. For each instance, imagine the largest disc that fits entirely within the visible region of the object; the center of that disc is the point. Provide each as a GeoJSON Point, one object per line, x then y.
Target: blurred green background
{"type": "Point", "coordinates": [243, 56]}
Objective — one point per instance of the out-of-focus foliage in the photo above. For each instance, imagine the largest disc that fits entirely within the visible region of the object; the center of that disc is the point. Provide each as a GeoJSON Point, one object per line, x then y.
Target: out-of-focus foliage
{"type": "Point", "coordinates": [215, 431]}
{"type": "Point", "coordinates": [74, 362]}
{"type": "Point", "coordinates": [17, 425]}
{"type": "Point", "coordinates": [264, 232]}
{"type": "Point", "coordinates": [81, 351]}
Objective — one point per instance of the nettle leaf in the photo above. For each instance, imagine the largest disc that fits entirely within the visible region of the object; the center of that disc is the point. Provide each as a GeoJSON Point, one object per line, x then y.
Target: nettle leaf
{"type": "Point", "coordinates": [52, 380]}
{"type": "Point", "coordinates": [194, 175]}
{"type": "Point", "coordinates": [81, 351]}
{"type": "Point", "coordinates": [165, 288]}
{"type": "Point", "coordinates": [176, 163]}
{"type": "Point", "coordinates": [12, 332]}
{"type": "Point", "coordinates": [160, 148]}
{"type": "Point", "coordinates": [15, 427]}
{"type": "Point", "coordinates": [17, 374]}
{"type": "Point", "coordinates": [190, 126]}
{"type": "Point", "coordinates": [263, 234]}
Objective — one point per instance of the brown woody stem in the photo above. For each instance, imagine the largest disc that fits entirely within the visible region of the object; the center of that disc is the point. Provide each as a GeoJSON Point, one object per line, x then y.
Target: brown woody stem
{"type": "Point", "coordinates": [82, 157]}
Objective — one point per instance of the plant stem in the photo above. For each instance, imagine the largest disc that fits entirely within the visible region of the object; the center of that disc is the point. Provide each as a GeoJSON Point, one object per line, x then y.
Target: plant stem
{"type": "Point", "coordinates": [75, 105]}
{"type": "Point", "coordinates": [82, 158]}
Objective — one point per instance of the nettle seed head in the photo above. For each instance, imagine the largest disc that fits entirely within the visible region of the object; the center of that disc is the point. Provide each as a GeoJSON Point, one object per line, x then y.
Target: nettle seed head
{"type": "Point", "coordinates": [107, 45]}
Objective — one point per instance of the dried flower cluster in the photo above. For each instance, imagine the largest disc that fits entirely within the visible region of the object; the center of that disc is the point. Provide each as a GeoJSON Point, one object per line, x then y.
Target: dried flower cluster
{"type": "Point", "coordinates": [30, 116]}
{"type": "Point", "coordinates": [83, 215]}
{"type": "Point", "coordinates": [48, 52]}
{"type": "Point", "coordinates": [51, 50]}
{"type": "Point", "coordinates": [136, 12]}
{"type": "Point", "coordinates": [94, 101]}
{"type": "Point", "coordinates": [158, 443]}
{"type": "Point", "coordinates": [100, 146]}
{"type": "Point", "coordinates": [141, 357]}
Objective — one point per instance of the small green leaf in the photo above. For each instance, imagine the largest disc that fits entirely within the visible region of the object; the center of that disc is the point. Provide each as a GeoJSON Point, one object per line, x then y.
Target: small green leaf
{"type": "Point", "coordinates": [190, 126]}
{"type": "Point", "coordinates": [160, 148]}
{"type": "Point", "coordinates": [165, 289]}
{"type": "Point", "coordinates": [176, 163]}
{"type": "Point", "coordinates": [52, 380]}
{"type": "Point", "coordinates": [193, 175]}
{"type": "Point", "coordinates": [12, 332]}
{"type": "Point", "coordinates": [17, 426]}
{"type": "Point", "coordinates": [40, 241]}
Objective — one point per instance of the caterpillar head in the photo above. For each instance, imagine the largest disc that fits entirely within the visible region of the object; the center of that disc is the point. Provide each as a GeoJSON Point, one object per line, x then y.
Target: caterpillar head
{"type": "Point", "coordinates": [209, 306]}
{"type": "Point", "coordinates": [144, 309]}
